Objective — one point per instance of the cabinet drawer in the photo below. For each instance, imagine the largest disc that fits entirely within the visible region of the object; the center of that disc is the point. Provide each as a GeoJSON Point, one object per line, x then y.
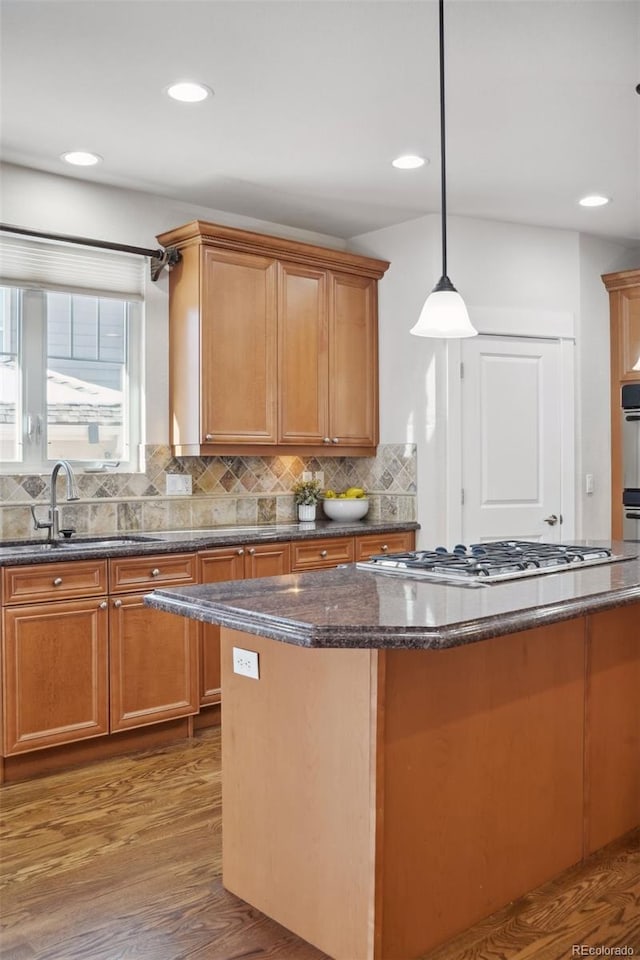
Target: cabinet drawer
{"type": "Point", "coordinates": [377, 543]}
{"type": "Point", "coordinates": [317, 554]}
{"type": "Point", "coordinates": [55, 581]}
{"type": "Point", "coordinates": [128, 574]}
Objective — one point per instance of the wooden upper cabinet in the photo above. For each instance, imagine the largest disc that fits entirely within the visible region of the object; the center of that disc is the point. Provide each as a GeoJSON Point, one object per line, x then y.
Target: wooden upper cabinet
{"type": "Point", "coordinates": [272, 345]}
{"type": "Point", "coordinates": [238, 348]}
{"type": "Point", "coordinates": [353, 361]}
{"type": "Point", "coordinates": [303, 358]}
{"type": "Point", "coordinates": [624, 297]}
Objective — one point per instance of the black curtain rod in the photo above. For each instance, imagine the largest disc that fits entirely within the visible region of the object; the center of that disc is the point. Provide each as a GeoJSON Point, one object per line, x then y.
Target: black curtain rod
{"type": "Point", "coordinates": [159, 258]}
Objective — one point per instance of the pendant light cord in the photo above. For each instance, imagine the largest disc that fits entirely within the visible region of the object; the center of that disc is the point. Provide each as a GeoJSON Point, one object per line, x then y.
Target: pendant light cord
{"type": "Point", "coordinates": [443, 164]}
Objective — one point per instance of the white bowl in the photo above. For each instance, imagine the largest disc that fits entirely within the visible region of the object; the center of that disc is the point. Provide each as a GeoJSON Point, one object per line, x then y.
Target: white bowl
{"type": "Point", "coordinates": [347, 509]}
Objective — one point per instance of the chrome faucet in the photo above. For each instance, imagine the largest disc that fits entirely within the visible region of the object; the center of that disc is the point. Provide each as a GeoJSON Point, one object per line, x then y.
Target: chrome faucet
{"type": "Point", "coordinates": [52, 523]}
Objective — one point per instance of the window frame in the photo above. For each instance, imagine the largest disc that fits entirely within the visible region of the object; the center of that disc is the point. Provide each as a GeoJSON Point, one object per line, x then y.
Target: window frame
{"type": "Point", "coordinates": [32, 365]}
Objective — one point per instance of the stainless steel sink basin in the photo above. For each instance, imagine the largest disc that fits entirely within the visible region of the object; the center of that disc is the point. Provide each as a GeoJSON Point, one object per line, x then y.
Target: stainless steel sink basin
{"type": "Point", "coordinates": [84, 543]}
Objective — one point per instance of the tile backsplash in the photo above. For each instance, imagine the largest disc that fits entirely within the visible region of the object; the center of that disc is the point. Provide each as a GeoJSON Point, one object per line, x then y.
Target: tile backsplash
{"type": "Point", "coordinates": [225, 491]}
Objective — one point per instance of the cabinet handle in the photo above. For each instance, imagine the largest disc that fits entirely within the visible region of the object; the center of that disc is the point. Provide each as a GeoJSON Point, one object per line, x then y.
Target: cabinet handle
{"type": "Point", "coordinates": [117, 603]}
{"type": "Point", "coordinates": [208, 436]}
{"type": "Point", "coordinates": [335, 439]}
{"type": "Point", "coordinates": [324, 553]}
{"type": "Point", "coordinates": [155, 572]}
{"type": "Point", "coordinates": [103, 605]}
{"type": "Point", "coordinates": [384, 547]}
{"type": "Point", "coordinates": [57, 581]}
{"type": "Point", "coordinates": [240, 551]}
{"type": "Point", "coordinates": [251, 551]}
{"type": "Point", "coordinates": [326, 439]}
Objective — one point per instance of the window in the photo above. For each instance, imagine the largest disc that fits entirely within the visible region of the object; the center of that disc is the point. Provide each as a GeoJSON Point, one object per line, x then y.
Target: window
{"type": "Point", "coordinates": [70, 362]}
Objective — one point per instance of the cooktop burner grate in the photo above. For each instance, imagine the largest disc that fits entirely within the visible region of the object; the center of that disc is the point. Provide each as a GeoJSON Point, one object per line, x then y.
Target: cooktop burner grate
{"type": "Point", "coordinates": [490, 562]}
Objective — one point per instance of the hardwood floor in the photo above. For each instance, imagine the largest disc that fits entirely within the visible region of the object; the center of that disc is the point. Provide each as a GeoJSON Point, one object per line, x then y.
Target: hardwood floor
{"type": "Point", "coordinates": [120, 860]}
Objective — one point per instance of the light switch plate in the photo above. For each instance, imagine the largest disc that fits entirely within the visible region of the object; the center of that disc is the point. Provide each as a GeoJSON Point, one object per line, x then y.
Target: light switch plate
{"type": "Point", "coordinates": [246, 663]}
{"type": "Point", "coordinates": [178, 484]}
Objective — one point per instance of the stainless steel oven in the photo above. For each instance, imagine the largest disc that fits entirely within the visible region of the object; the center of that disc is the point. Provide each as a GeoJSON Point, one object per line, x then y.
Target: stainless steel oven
{"type": "Point", "coordinates": [631, 460]}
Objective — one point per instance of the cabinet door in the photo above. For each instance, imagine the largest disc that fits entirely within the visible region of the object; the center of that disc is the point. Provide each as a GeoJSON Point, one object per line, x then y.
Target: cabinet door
{"type": "Point", "coordinates": [267, 560]}
{"type": "Point", "coordinates": [153, 664]}
{"type": "Point", "coordinates": [374, 544]}
{"type": "Point", "coordinates": [68, 580]}
{"type": "Point", "coordinates": [226, 563]}
{"type": "Point", "coordinates": [321, 554]}
{"type": "Point", "coordinates": [54, 674]}
{"type": "Point", "coordinates": [238, 348]}
{"type": "Point", "coordinates": [303, 361]}
{"type": "Point", "coordinates": [627, 309]}
{"type": "Point", "coordinates": [133, 574]}
{"type": "Point", "coordinates": [353, 361]}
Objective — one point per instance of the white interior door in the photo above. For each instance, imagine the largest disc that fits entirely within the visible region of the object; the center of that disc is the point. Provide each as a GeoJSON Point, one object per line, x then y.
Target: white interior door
{"type": "Point", "coordinates": [511, 439]}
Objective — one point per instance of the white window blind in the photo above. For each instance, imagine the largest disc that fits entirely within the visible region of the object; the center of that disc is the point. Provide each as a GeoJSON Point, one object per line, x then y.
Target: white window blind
{"type": "Point", "coordinates": [52, 265]}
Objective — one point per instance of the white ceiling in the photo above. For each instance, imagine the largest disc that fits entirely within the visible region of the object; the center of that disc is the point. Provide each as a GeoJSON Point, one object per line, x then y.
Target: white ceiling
{"type": "Point", "coordinates": [314, 98]}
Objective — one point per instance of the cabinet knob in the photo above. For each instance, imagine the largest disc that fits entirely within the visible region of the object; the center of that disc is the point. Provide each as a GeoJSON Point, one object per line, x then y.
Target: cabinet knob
{"type": "Point", "coordinates": [117, 603]}
{"type": "Point", "coordinates": [208, 436]}
{"type": "Point", "coordinates": [324, 553]}
{"type": "Point", "coordinates": [326, 439]}
{"type": "Point", "coordinates": [103, 605]}
{"type": "Point", "coordinates": [57, 581]}
{"type": "Point", "coordinates": [240, 551]}
{"type": "Point", "coordinates": [251, 551]}
{"type": "Point", "coordinates": [335, 439]}
{"type": "Point", "coordinates": [384, 547]}
{"type": "Point", "coordinates": [155, 572]}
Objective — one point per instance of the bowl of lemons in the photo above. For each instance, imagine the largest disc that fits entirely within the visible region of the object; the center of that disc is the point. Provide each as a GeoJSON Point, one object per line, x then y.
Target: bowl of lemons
{"type": "Point", "coordinates": [352, 504]}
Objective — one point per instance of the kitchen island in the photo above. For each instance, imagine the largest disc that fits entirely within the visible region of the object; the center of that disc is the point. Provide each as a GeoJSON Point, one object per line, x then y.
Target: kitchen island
{"type": "Point", "coordinates": [415, 755]}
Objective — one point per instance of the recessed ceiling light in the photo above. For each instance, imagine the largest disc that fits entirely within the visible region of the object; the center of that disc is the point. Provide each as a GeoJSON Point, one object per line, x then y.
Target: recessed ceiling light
{"type": "Point", "coordinates": [186, 91]}
{"type": "Point", "coordinates": [408, 162]}
{"type": "Point", "coordinates": [593, 200]}
{"type": "Point", "coordinates": [81, 158]}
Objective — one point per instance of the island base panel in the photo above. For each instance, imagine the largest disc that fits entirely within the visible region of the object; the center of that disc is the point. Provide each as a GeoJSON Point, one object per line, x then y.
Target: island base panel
{"type": "Point", "coordinates": [483, 779]}
{"type": "Point", "coordinates": [298, 790]}
{"type": "Point", "coordinates": [377, 803]}
{"type": "Point", "coordinates": [612, 749]}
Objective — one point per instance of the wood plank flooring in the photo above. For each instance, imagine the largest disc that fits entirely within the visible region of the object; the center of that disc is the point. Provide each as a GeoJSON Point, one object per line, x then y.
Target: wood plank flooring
{"type": "Point", "coordinates": [120, 860]}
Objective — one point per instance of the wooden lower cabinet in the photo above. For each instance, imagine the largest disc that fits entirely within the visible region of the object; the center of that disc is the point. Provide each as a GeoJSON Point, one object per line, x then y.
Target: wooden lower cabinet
{"type": "Point", "coordinates": [232, 563]}
{"type": "Point", "coordinates": [83, 657]}
{"type": "Point", "coordinates": [55, 673]}
{"type": "Point", "coordinates": [153, 665]}
{"type": "Point", "coordinates": [374, 544]}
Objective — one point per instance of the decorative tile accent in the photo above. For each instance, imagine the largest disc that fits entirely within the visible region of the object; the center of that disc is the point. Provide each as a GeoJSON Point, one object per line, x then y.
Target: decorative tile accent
{"type": "Point", "coordinates": [226, 491]}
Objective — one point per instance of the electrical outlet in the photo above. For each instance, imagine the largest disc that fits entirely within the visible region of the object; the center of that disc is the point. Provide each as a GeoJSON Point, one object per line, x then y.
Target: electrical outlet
{"type": "Point", "coordinates": [319, 476]}
{"type": "Point", "coordinates": [178, 483]}
{"type": "Point", "coordinates": [306, 475]}
{"type": "Point", "coordinates": [245, 662]}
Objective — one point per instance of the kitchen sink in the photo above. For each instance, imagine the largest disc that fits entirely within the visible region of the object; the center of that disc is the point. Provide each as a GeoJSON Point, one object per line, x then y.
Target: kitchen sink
{"type": "Point", "coordinates": [85, 543]}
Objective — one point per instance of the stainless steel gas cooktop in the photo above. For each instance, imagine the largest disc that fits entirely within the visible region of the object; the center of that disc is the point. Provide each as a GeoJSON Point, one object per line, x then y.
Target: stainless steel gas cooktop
{"type": "Point", "coordinates": [486, 563]}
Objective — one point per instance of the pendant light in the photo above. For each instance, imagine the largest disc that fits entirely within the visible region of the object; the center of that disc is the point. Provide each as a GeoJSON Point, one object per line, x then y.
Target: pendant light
{"type": "Point", "coordinates": [444, 314]}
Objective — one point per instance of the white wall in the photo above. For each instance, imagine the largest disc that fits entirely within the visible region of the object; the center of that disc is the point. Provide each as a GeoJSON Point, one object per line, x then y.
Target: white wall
{"type": "Point", "coordinates": [53, 204]}
{"type": "Point", "coordinates": [499, 265]}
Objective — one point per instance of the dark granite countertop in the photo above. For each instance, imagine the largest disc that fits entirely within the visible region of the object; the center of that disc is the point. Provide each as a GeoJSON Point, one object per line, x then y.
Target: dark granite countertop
{"type": "Point", "coordinates": [81, 547]}
{"type": "Point", "coordinates": [348, 607]}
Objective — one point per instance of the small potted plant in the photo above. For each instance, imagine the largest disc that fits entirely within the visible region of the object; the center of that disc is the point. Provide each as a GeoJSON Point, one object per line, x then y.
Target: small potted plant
{"type": "Point", "coordinates": [306, 494]}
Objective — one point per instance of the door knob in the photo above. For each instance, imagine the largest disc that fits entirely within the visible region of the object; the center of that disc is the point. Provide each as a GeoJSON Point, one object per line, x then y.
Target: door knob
{"type": "Point", "coordinates": [551, 520]}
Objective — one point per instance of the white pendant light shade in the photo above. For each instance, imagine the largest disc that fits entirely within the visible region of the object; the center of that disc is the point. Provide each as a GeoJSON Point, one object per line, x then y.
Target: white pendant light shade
{"type": "Point", "coordinates": [445, 316]}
